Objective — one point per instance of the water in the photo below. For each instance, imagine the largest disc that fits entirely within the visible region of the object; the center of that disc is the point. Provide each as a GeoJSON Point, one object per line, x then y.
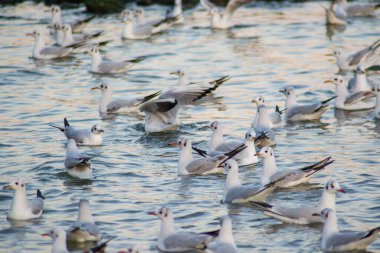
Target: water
{"type": "Point", "coordinates": [275, 45]}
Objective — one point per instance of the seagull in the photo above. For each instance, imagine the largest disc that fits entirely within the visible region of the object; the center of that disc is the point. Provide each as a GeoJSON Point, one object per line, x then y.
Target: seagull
{"type": "Point", "coordinates": [343, 9]}
{"type": "Point", "coordinates": [332, 18]}
{"type": "Point", "coordinates": [366, 57]}
{"type": "Point", "coordinates": [348, 101]}
{"type": "Point", "coordinates": [359, 82]}
{"type": "Point", "coordinates": [219, 19]}
{"type": "Point", "coordinates": [297, 112]}
{"type": "Point", "coordinates": [171, 241]}
{"type": "Point", "coordinates": [235, 192]}
{"type": "Point", "coordinates": [70, 39]}
{"type": "Point", "coordinates": [58, 235]}
{"type": "Point", "coordinates": [289, 177]}
{"type": "Point", "coordinates": [334, 240]}
{"type": "Point", "coordinates": [264, 128]}
{"type": "Point", "coordinates": [100, 66]}
{"type": "Point", "coordinates": [58, 33]}
{"type": "Point", "coordinates": [304, 214]}
{"type": "Point", "coordinates": [77, 25]}
{"type": "Point", "coordinates": [274, 117]}
{"type": "Point", "coordinates": [109, 104]}
{"type": "Point", "coordinates": [182, 77]}
{"type": "Point", "coordinates": [84, 229]}
{"type": "Point", "coordinates": [77, 164]}
{"type": "Point", "coordinates": [162, 114]}
{"type": "Point", "coordinates": [22, 208]}
{"type": "Point", "coordinates": [209, 164]}
{"type": "Point", "coordinates": [376, 90]}
{"type": "Point", "coordinates": [43, 52]}
{"type": "Point", "coordinates": [91, 137]}
{"type": "Point", "coordinates": [177, 12]}
{"type": "Point", "coordinates": [225, 242]}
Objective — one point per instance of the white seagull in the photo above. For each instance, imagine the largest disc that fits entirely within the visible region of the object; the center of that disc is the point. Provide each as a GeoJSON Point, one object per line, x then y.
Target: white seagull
{"type": "Point", "coordinates": [56, 18]}
{"type": "Point", "coordinates": [22, 208]}
{"type": "Point", "coordinates": [177, 12]}
{"type": "Point", "coordinates": [58, 235]}
{"type": "Point", "coordinates": [304, 214]}
{"type": "Point", "coordinates": [344, 9]}
{"type": "Point", "coordinates": [70, 39]}
{"type": "Point", "coordinates": [334, 240]}
{"type": "Point", "coordinates": [171, 241]}
{"type": "Point", "coordinates": [235, 192]}
{"type": "Point", "coordinates": [350, 101]}
{"type": "Point", "coordinates": [297, 112]}
{"type": "Point", "coordinates": [225, 242]}
{"type": "Point", "coordinates": [274, 117]}
{"type": "Point", "coordinates": [100, 66]}
{"type": "Point", "coordinates": [91, 137]}
{"type": "Point", "coordinates": [109, 104]}
{"type": "Point", "coordinates": [77, 164]}
{"type": "Point", "coordinates": [223, 19]}
{"type": "Point", "coordinates": [265, 135]}
{"type": "Point", "coordinates": [359, 82]}
{"type": "Point", "coordinates": [332, 18]}
{"type": "Point", "coordinates": [288, 177]}
{"type": "Point", "coordinates": [84, 229]}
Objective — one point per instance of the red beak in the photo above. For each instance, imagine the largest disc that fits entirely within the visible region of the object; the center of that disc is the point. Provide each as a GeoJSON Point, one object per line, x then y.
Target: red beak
{"type": "Point", "coordinates": [152, 213]}
{"type": "Point", "coordinates": [46, 234]}
{"type": "Point", "coordinates": [342, 190]}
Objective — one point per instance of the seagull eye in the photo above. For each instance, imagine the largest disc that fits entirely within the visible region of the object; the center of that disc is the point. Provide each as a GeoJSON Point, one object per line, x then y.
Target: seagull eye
{"type": "Point", "coordinates": [180, 142]}
{"type": "Point", "coordinates": [101, 86]}
{"type": "Point", "coordinates": [229, 167]}
{"type": "Point", "coordinates": [22, 185]}
{"type": "Point", "coordinates": [332, 186]}
{"type": "Point", "coordinates": [16, 183]}
{"type": "Point", "coordinates": [336, 79]}
{"type": "Point", "coordinates": [266, 151]}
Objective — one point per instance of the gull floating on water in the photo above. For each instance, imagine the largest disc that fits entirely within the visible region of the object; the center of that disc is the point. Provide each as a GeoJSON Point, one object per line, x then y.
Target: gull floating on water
{"type": "Point", "coordinates": [332, 18]}
{"type": "Point", "coordinates": [177, 12]}
{"type": "Point", "coordinates": [343, 9]}
{"type": "Point", "coordinates": [22, 208]}
{"type": "Point", "coordinates": [235, 192]}
{"type": "Point", "coordinates": [162, 114]}
{"type": "Point", "coordinates": [223, 19]}
{"type": "Point", "coordinates": [77, 164]}
{"type": "Point", "coordinates": [209, 164]}
{"type": "Point", "coordinates": [82, 136]}
{"type": "Point", "coordinates": [288, 177]}
{"type": "Point", "coordinates": [109, 104]}
{"type": "Point", "coordinates": [359, 82]}
{"type": "Point", "coordinates": [334, 240]}
{"type": "Point", "coordinates": [58, 235]}
{"type": "Point", "coordinates": [350, 101]}
{"type": "Point", "coordinates": [84, 229]}
{"type": "Point", "coordinates": [367, 57]}
{"type": "Point", "coordinates": [263, 128]}
{"type": "Point", "coordinates": [274, 117]}
{"type": "Point", "coordinates": [225, 242]}
{"type": "Point", "coordinates": [297, 112]}
{"type": "Point", "coordinates": [171, 241]}
{"type": "Point", "coordinates": [101, 66]}
{"type": "Point", "coordinates": [376, 90]}
{"type": "Point", "coordinates": [304, 214]}
{"type": "Point", "coordinates": [56, 18]}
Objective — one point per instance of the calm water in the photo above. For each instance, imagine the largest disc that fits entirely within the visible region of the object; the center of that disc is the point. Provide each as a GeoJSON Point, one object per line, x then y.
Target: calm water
{"type": "Point", "coordinates": [275, 45]}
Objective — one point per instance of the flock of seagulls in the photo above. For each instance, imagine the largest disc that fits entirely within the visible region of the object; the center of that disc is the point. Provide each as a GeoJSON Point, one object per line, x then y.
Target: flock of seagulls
{"type": "Point", "coordinates": [161, 111]}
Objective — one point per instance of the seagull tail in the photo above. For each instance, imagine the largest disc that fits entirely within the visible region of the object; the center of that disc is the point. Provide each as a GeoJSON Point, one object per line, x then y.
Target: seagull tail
{"type": "Point", "coordinates": [136, 60]}
{"type": "Point", "coordinates": [66, 122]}
{"type": "Point", "coordinates": [101, 247]}
{"type": "Point", "coordinates": [39, 194]}
{"type": "Point", "coordinates": [328, 100]}
{"type": "Point", "coordinates": [262, 205]}
{"type": "Point", "coordinates": [318, 166]}
{"type": "Point", "coordinates": [97, 34]}
{"type": "Point", "coordinates": [60, 128]}
{"type": "Point", "coordinates": [220, 81]}
{"type": "Point", "coordinates": [149, 97]}
{"type": "Point", "coordinates": [200, 151]}
{"type": "Point", "coordinates": [214, 233]}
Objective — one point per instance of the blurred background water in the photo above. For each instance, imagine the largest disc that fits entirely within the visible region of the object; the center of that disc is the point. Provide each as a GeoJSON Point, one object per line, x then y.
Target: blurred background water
{"type": "Point", "coordinates": [273, 46]}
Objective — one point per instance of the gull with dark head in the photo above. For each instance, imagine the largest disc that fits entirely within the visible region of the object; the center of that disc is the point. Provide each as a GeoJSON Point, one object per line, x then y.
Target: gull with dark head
{"type": "Point", "coordinates": [22, 208]}
{"type": "Point", "coordinates": [304, 214]}
{"type": "Point", "coordinates": [77, 164]}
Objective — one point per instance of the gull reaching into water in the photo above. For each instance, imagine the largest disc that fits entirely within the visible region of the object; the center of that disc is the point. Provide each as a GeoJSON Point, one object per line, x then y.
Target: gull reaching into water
{"type": "Point", "coordinates": [223, 19]}
{"type": "Point", "coordinates": [350, 101]}
{"type": "Point", "coordinates": [82, 136]}
{"type": "Point", "coordinates": [58, 235]}
{"type": "Point", "coordinates": [304, 214]}
{"type": "Point", "coordinates": [225, 242]}
{"type": "Point", "coordinates": [77, 164]}
{"type": "Point", "coordinates": [101, 66]}
{"type": "Point", "coordinates": [84, 229]}
{"type": "Point", "coordinates": [22, 208]}
{"type": "Point", "coordinates": [297, 112]}
{"type": "Point", "coordinates": [171, 241]}
{"type": "Point", "coordinates": [334, 240]}
{"type": "Point", "coordinates": [109, 104]}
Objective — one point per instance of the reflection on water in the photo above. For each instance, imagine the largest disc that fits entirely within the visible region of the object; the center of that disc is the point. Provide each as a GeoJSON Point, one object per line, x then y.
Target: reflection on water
{"type": "Point", "coordinates": [273, 45]}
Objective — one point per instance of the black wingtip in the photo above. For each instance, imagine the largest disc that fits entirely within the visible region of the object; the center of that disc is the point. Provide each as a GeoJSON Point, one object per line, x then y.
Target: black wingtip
{"type": "Point", "coordinates": [264, 205]}
{"type": "Point", "coordinates": [328, 100]}
{"type": "Point", "coordinates": [149, 97]}
{"type": "Point", "coordinates": [101, 247]}
{"type": "Point", "coordinates": [39, 194]}
{"type": "Point", "coordinates": [66, 122]}
{"type": "Point", "coordinates": [138, 59]}
{"type": "Point", "coordinates": [103, 43]}
{"type": "Point", "coordinates": [214, 233]}
{"type": "Point", "coordinates": [278, 110]}
{"type": "Point", "coordinates": [59, 128]}
{"type": "Point", "coordinates": [200, 151]}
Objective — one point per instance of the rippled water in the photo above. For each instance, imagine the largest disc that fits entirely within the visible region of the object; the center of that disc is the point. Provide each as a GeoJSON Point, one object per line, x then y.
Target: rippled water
{"type": "Point", "coordinates": [275, 45]}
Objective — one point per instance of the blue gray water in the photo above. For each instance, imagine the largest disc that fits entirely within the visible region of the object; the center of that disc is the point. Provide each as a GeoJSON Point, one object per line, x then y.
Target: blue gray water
{"type": "Point", "coordinates": [275, 45]}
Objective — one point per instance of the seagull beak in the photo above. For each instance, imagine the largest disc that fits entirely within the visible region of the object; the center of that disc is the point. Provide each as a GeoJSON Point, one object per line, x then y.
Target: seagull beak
{"type": "Point", "coordinates": [282, 91]}
{"type": "Point", "coordinates": [7, 187]}
{"type": "Point", "coordinates": [173, 144]}
{"type": "Point", "coordinates": [254, 101]}
{"type": "Point", "coordinates": [46, 234]}
{"type": "Point", "coordinates": [152, 213]}
{"type": "Point", "coordinates": [29, 34]}
{"type": "Point", "coordinates": [328, 81]}
{"type": "Point", "coordinates": [316, 214]}
{"type": "Point", "coordinates": [173, 73]}
{"type": "Point", "coordinates": [342, 190]}
{"type": "Point", "coordinates": [257, 154]}
{"type": "Point", "coordinates": [95, 88]}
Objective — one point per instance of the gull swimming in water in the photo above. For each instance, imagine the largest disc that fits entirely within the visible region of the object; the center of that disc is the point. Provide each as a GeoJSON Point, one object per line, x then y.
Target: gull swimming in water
{"type": "Point", "coordinates": [82, 136]}
{"type": "Point", "coordinates": [171, 241]}
{"type": "Point", "coordinates": [84, 229]}
{"type": "Point", "coordinates": [359, 82]}
{"type": "Point", "coordinates": [22, 208]}
{"type": "Point", "coordinates": [58, 235]}
{"type": "Point", "coordinates": [101, 66]}
{"type": "Point", "coordinates": [350, 101]}
{"type": "Point", "coordinates": [162, 114]}
{"type": "Point", "coordinates": [109, 104]}
{"type": "Point", "coordinates": [289, 177]}
{"type": "Point", "coordinates": [334, 240]}
{"type": "Point", "coordinates": [343, 9]}
{"type": "Point", "coordinates": [367, 57]}
{"type": "Point", "coordinates": [265, 136]}
{"type": "Point", "coordinates": [332, 18]}
{"type": "Point", "coordinates": [235, 192]}
{"type": "Point", "coordinates": [219, 19]}
{"type": "Point", "coordinates": [297, 112]}
{"type": "Point", "coordinates": [43, 52]}
{"type": "Point", "coordinates": [177, 12]}
{"type": "Point", "coordinates": [225, 242]}
{"type": "Point", "coordinates": [101, 248]}
{"type": "Point", "coordinates": [304, 214]}
{"type": "Point", "coordinates": [376, 90]}
{"type": "Point", "coordinates": [56, 18]}
{"type": "Point", "coordinates": [209, 164]}
{"type": "Point", "coordinates": [77, 164]}
{"type": "Point", "coordinates": [274, 117]}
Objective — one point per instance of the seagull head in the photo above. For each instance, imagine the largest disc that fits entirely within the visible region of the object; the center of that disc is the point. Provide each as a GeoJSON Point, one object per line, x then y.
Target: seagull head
{"type": "Point", "coordinates": [360, 69]}
{"type": "Point", "coordinates": [55, 10]}
{"type": "Point", "coordinates": [287, 91]}
{"type": "Point", "coordinates": [258, 100]}
{"type": "Point", "coordinates": [56, 233]}
{"type": "Point", "coordinates": [103, 88]}
{"type": "Point", "coordinates": [128, 20]}
{"type": "Point", "coordinates": [338, 80]}
{"type": "Point", "coordinates": [265, 152]}
{"type": "Point", "coordinates": [216, 126]}
{"type": "Point", "coordinates": [182, 143]}
{"type": "Point", "coordinates": [126, 14]}
{"type": "Point", "coordinates": [376, 89]}
{"type": "Point", "coordinates": [164, 213]}
{"type": "Point", "coordinates": [96, 129]}
{"type": "Point", "coordinates": [178, 73]}
{"type": "Point", "coordinates": [67, 29]}
{"type": "Point", "coordinates": [35, 34]}
{"type": "Point", "coordinates": [332, 186]}
{"type": "Point", "coordinates": [94, 50]}
{"type": "Point", "coordinates": [230, 166]}
{"type": "Point", "coordinates": [16, 185]}
{"type": "Point", "coordinates": [138, 12]}
{"type": "Point", "coordinates": [338, 52]}
{"type": "Point", "coordinates": [250, 135]}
